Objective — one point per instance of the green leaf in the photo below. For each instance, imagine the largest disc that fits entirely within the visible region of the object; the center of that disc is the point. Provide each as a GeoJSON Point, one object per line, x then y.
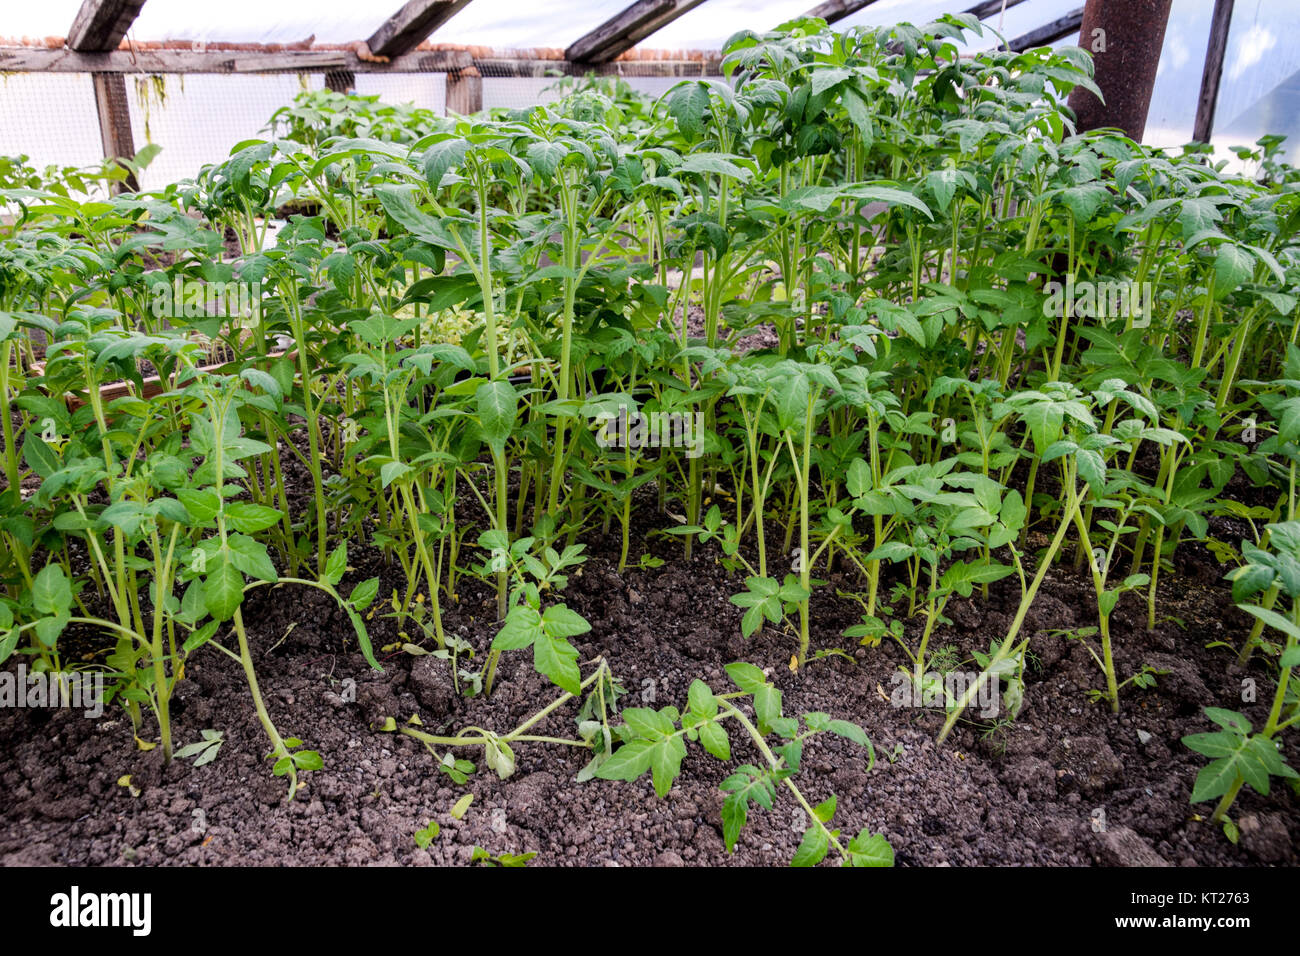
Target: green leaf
{"type": "Point", "coordinates": [1092, 468]}
{"type": "Point", "coordinates": [870, 849]}
{"type": "Point", "coordinates": [8, 643]}
{"type": "Point", "coordinates": [1044, 420]}
{"type": "Point", "coordinates": [1233, 266]}
{"type": "Point", "coordinates": [308, 760]}
{"type": "Point", "coordinates": [400, 205]}
{"type": "Point", "coordinates": [892, 551]}
{"type": "Point", "coordinates": [714, 739]}
{"type": "Point", "coordinates": [336, 566]}
{"type": "Point", "coordinates": [559, 621]}
{"type": "Point", "coordinates": [523, 626]}
{"type": "Point", "coordinates": [825, 810]}
{"type": "Point", "coordinates": [701, 700]}
{"type": "Point", "coordinates": [849, 731]}
{"type": "Point", "coordinates": [391, 471]}
{"type": "Point", "coordinates": [1214, 780]}
{"type": "Point", "coordinates": [869, 192]}
{"type": "Point", "coordinates": [223, 589]}
{"type": "Point", "coordinates": [363, 595]}
{"type": "Point", "coordinates": [666, 763]}
{"type": "Point", "coordinates": [51, 591]}
{"type": "Point", "coordinates": [39, 456]}
{"type": "Point", "coordinates": [767, 705]}
{"type": "Point", "coordinates": [251, 518]}
{"type": "Point", "coordinates": [557, 659]}
{"type": "Point", "coordinates": [746, 676]}
{"type": "Point", "coordinates": [1084, 201]}
{"type": "Point", "coordinates": [250, 556]}
{"type": "Point", "coordinates": [1273, 619]}
{"type": "Point", "coordinates": [687, 104]}
{"type": "Point", "coordinates": [48, 629]}
{"type": "Point", "coordinates": [812, 848]}
{"type": "Point", "coordinates": [461, 807]}
{"type": "Point", "coordinates": [745, 784]}
{"type": "Point", "coordinates": [498, 408]}
{"type": "Point", "coordinates": [441, 157]}
{"type": "Point", "coordinates": [627, 762]}
{"type": "Point", "coordinates": [426, 836]}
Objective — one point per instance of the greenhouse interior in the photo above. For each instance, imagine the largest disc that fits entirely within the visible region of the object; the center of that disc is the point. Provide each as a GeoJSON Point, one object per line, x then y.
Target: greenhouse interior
{"type": "Point", "coordinates": [650, 433]}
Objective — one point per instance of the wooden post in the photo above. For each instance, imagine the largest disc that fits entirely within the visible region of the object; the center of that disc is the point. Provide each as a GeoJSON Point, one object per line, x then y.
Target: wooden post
{"type": "Point", "coordinates": [465, 91]}
{"type": "Point", "coordinates": [340, 81]}
{"type": "Point", "coordinates": [1220, 25]}
{"type": "Point", "coordinates": [1126, 38]}
{"type": "Point", "coordinates": [115, 120]}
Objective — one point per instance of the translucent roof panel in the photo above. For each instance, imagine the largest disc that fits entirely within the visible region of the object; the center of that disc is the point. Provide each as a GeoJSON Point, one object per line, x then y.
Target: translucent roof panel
{"type": "Point", "coordinates": [1260, 92]}
{"type": "Point", "coordinates": [259, 21]}
{"type": "Point", "coordinates": [514, 25]}
{"type": "Point", "coordinates": [711, 24]}
{"type": "Point", "coordinates": [495, 23]}
{"type": "Point", "coordinates": [49, 18]}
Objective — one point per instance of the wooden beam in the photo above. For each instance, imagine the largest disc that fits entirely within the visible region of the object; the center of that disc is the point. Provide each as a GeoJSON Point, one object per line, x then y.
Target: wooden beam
{"type": "Point", "coordinates": [115, 119]}
{"type": "Point", "coordinates": [1048, 33]}
{"type": "Point", "coordinates": [465, 92]}
{"type": "Point", "coordinates": [29, 60]}
{"type": "Point", "coordinates": [100, 25]}
{"type": "Point", "coordinates": [990, 7]}
{"type": "Point", "coordinates": [832, 11]}
{"type": "Point", "coordinates": [625, 30]}
{"type": "Point", "coordinates": [412, 25]}
{"type": "Point", "coordinates": [1220, 25]}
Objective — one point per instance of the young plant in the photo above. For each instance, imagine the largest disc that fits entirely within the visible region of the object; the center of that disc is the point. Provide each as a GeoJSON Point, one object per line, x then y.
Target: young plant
{"type": "Point", "coordinates": [654, 741]}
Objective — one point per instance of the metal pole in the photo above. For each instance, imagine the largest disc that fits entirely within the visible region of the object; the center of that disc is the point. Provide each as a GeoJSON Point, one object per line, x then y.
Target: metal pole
{"type": "Point", "coordinates": [1125, 38]}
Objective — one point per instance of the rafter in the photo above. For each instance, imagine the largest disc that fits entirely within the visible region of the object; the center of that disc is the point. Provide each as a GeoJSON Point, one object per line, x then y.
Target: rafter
{"type": "Point", "coordinates": [412, 25]}
{"type": "Point", "coordinates": [1048, 33]}
{"type": "Point", "coordinates": [990, 7]}
{"type": "Point", "coordinates": [1212, 74]}
{"type": "Point", "coordinates": [25, 60]}
{"type": "Point", "coordinates": [100, 25]}
{"type": "Point", "coordinates": [626, 29]}
{"type": "Point", "coordinates": [832, 11]}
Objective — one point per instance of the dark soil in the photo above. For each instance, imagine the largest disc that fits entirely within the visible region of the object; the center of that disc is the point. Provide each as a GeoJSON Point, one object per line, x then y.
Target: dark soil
{"type": "Point", "coordinates": [1067, 783]}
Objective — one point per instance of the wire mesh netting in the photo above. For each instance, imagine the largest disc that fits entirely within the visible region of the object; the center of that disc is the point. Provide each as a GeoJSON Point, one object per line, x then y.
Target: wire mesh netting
{"type": "Point", "coordinates": [197, 118]}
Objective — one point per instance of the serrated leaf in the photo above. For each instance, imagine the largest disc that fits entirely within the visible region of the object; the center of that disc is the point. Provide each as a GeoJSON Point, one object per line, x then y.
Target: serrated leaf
{"type": "Point", "coordinates": [812, 848]}
{"type": "Point", "coordinates": [51, 591]}
{"type": "Point", "coordinates": [223, 588]}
